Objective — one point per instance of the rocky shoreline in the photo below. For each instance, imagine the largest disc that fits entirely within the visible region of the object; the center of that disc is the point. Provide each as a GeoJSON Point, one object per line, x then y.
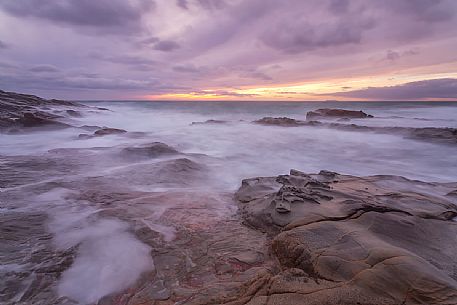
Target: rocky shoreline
{"type": "Point", "coordinates": [143, 224]}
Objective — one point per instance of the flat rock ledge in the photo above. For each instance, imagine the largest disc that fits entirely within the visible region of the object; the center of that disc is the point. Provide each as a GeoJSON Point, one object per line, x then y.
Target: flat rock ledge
{"type": "Point", "coordinates": [340, 239]}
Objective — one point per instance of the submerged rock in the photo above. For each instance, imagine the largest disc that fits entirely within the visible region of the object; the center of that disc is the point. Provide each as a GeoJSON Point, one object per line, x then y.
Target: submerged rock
{"type": "Point", "coordinates": [209, 122]}
{"type": "Point", "coordinates": [108, 131]}
{"type": "Point", "coordinates": [354, 240]}
{"type": "Point", "coordinates": [152, 150]}
{"type": "Point", "coordinates": [284, 121]}
{"type": "Point", "coordinates": [326, 113]}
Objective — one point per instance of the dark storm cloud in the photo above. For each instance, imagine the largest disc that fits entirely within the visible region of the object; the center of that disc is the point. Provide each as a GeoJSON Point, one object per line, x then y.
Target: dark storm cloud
{"type": "Point", "coordinates": [426, 89]}
{"type": "Point", "coordinates": [99, 13]}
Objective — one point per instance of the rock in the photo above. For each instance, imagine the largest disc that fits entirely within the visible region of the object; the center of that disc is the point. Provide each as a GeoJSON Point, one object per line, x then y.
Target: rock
{"type": "Point", "coordinates": [428, 134]}
{"type": "Point", "coordinates": [36, 120]}
{"type": "Point", "coordinates": [355, 240]}
{"type": "Point", "coordinates": [22, 111]}
{"type": "Point", "coordinates": [209, 122]}
{"type": "Point", "coordinates": [284, 121]}
{"type": "Point", "coordinates": [152, 150]}
{"type": "Point", "coordinates": [74, 113]}
{"type": "Point", "coordinates": [108, 131]}
{"type": "Point", "coordinates": [326, 113]}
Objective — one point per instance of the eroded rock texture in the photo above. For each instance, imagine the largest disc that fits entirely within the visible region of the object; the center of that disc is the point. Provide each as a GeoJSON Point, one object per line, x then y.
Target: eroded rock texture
{"type": "Point", "coordinates": [350, 240]}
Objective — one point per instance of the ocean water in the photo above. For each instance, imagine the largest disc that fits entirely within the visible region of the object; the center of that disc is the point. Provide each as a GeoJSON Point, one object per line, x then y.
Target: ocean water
{"type": "Point", "coordinates": [241, 149]}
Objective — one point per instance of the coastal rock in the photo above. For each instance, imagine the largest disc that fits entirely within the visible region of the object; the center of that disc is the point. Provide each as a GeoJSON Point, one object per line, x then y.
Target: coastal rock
{"type": "Point", "coordinates": [22, 111]}
{"type": "Point", "coordinates": [39, 120]}
{"type": "Point", "coordinates": [354, 240]}
{"type": "Point", "coordinates": [283, 121]}
{"type": "Point", "coordinates": [429, 134]}
{"type": "Point", "coordinates": [152, 150]}
{"type": "Point", "coordinates": [108, 131]}
{"type": "Point", "coordinates": [328, 113]}
{"type": "Point", "coordinates": [74, 113]}
{"type": "Point", "coordinates": [209, 122]}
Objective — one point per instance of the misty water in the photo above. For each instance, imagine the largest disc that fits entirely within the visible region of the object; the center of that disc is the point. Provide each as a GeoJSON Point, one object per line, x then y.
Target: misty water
{"type": "Point", "coordinates": [109, 257]}
{"type": "Point", "coordinates": [242, 149]}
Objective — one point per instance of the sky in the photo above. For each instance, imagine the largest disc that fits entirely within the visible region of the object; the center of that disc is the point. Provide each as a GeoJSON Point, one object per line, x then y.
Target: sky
{"type": "Point", "coordinates": [291, 50]}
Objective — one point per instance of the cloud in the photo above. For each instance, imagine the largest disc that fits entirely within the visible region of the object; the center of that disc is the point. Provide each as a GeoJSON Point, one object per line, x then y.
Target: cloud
{"type": "Point", "coordinates": [395, 55]}
{"type": "Point", "coordinates": [44, 68]}
{"type": "Point", "coordinates": [134, 62]}
{"type": "Point", "coordinates": [297, 35]}
{"type": "Point", "coordinates": [120, 14]}
{"type": "Point", "coordinates": [187, 68]}
{"type": "Point", "coordinates": [3, 45]}
{"type": "Point", "coordinates": [182, 4]}
{"type": "Point", "coordinates": [166, 46]}
{"type": "Point", "coordinates": [426, 89]}
{"type": "Point", "coordinates": [212, 4]}
{"type": "Point", "coordinates": [421, 10]}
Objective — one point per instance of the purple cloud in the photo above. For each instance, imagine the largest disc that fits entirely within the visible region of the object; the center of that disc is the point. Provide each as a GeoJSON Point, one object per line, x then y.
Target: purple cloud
{"type": "Point", "coordinates": [3, 45]}
{"type": "Point", "coordinates": [426, 89]}
{"type": "Point", "coordinates": [89, 13]}
{"type": "Point", "coordinates": [166, 46]}
{"type": "Point", "coordinates": [44, 68]}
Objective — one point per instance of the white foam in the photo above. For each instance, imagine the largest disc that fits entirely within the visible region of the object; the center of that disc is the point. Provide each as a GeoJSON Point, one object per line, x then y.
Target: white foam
{"type": "Point", "coordinates": [109, 258]}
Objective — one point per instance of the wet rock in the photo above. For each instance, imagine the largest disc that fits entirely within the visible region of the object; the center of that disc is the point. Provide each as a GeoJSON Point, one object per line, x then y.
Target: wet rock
{"type": "Point", "coordinates": [356, 240]}
{"type": "Point", "coordinates": [428, 134]}
{"type": "Point", "coordinates": [22, 111]}
{"type": "Point", "coordinates": [284, 121]}
{"type": "Point", "coordinates": [326, 113]}
{"type": "Point", "coordinates": [152, 150]}
{"type": "Point", "coordinates": [108, 131]}
{"type": "Point", "coordinates": [209, 122]}
{"type": "Point", "coordinates": [74, 113]}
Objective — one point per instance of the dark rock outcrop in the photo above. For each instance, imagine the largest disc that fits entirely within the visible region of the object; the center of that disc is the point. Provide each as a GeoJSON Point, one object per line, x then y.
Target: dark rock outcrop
{"type": "Point", "coordinates": [19, 111]}
{"type": "Point", "coordinates": [351, 240]}
{"type": "Point", "coordinates": [328, 113]}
